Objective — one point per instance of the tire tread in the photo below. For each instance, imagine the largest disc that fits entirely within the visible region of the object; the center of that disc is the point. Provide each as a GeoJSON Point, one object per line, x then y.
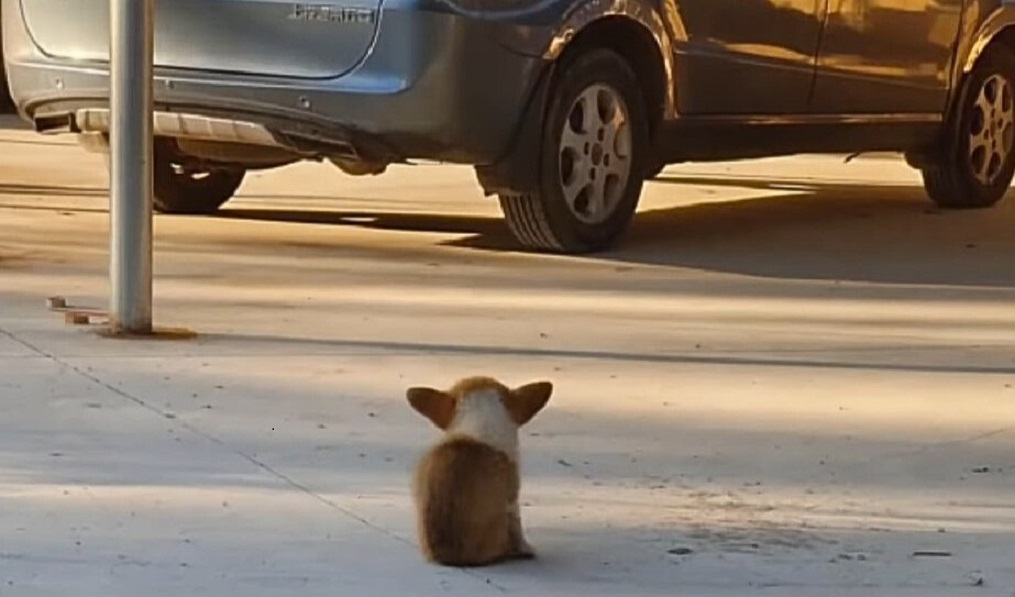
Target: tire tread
{"type": "Point", "coordinates": [528, 222]}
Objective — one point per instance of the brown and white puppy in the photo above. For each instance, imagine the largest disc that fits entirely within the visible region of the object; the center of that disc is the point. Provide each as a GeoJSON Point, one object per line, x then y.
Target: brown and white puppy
{"type": "Point", "coordinates": [466, 487]}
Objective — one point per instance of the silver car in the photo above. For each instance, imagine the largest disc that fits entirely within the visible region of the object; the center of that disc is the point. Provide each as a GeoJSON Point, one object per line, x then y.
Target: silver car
{"type": "Point", "coordinates": [565, 107]}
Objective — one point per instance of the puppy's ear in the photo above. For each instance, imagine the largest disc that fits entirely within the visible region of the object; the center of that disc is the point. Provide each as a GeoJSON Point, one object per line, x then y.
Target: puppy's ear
{"type": "Point", "coordinates": [433, 404]}
{"type": "Point", "coordinates": [523, 403]}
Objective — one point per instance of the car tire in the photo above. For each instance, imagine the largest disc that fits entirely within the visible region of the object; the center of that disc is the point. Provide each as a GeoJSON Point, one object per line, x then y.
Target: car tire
{"type": "Point", "coordinates": [187, 191]}
{"type": "Point", "coordinates": [975, 163]}
{"type": "Point", "coordinates": [592, 159]}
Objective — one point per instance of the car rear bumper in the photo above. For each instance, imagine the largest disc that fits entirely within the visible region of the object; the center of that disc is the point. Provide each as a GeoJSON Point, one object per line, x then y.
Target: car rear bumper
{"type": "Point", "coordinates": [436, 85]}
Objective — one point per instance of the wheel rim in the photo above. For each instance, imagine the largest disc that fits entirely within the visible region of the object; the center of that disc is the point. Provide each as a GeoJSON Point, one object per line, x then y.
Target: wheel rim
{"type": "Point", "coordinates": [991, 130]}
{"type": "Point", "coordinates": [595, 154]}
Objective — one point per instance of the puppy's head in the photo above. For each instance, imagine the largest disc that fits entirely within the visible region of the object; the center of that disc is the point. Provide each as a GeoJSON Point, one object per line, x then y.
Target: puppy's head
{"type": "Point", "coordinates": [480, 401]}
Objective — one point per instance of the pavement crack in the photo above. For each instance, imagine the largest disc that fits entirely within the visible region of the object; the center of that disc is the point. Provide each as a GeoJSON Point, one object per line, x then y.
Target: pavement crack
{"type": "Point", "coordinates": [25, 343]}
{"type": "Point", "coordinates": [944, 444]}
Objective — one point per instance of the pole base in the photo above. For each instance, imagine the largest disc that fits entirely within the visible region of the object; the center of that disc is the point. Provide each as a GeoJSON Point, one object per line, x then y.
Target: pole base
{"type": "Point", "coordinates": [157, 333]}
{"type": "Point", "coordinates": [87, 316]}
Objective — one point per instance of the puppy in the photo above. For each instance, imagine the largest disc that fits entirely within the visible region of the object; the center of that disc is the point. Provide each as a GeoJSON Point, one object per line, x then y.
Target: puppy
{"type": "Point", "coordinates": [466, 487]}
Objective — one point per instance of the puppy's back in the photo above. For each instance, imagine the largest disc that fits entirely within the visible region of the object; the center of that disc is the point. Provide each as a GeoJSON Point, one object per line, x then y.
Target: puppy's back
{"type": "Point", "coordinates": [463, 489]}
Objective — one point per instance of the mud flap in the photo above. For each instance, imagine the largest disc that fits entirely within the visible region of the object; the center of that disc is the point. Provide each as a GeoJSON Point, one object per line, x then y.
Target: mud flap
{"type": "Point", "coordinates": [518, 171]}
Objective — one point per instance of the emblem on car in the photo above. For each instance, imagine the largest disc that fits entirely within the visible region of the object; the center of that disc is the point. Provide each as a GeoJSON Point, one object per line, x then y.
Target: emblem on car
{"type": "Point", "coordinates": [331, 13]}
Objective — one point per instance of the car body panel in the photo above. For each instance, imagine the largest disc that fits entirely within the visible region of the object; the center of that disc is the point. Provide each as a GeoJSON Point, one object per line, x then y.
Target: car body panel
{"type": "Point", "coordinates": [728, 64]}
{"type": "Point", "coordinates": [262, 37]}
{"type": "Point", "coordinates": [886, 56]}
{"type": "Point", "coordinates": [717, 60]}
{"type": "Point", "coordinates": [411, 97]}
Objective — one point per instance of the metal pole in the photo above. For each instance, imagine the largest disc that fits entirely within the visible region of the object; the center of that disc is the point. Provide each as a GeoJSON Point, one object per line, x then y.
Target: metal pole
{"type": "Point", "coordinates": [130, 165]}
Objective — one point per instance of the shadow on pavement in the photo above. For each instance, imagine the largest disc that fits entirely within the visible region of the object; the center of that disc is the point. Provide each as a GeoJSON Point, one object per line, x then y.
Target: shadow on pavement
{"type": "Point", "coordinates": [807, 230]}
{"type": "Point", "coordinates": [599, 355]}
{"type": "Point", "coordinates": [492, 231]}
{"type": "Point", "coordinates": [9, 121]}
{"type": "Point", "coordinates": [43, 190]}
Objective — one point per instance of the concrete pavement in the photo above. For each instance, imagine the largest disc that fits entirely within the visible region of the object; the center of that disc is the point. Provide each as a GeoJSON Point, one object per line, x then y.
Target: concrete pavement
{"type": "Point", "coordinates": [793, 378]}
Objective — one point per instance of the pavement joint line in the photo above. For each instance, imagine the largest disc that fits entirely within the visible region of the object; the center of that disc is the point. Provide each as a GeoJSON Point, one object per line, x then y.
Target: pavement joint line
{"type": "Point", "coordinates": [923, 449]}
{"type": "Point", "coordinates": [942, 444]}
{"type": "Point", "coordinates": [267, 468]}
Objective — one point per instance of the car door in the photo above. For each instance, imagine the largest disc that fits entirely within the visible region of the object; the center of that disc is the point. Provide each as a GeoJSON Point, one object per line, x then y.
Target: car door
{"type": "Point", "coordinates": [886, 56]}
{"type": "Point", "coordinates": [741, 57]}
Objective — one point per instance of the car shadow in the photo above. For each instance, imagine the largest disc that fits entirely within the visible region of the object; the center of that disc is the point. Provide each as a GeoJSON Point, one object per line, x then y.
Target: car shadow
{"type": "Point", "coordinates": [488, 233]}
{"type": "Point", "coordinates": [799, 230]}
{"type": "Point", "coordinates": [44, 190]}
{"type": "Point", "coordinates": [827, 231]}
{"type": "Point", "coordinates": [9, 120]}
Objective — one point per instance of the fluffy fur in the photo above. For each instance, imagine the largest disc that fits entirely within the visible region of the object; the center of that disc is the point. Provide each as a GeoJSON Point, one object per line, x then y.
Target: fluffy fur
{"type": "Point", "coordinates": [466, 487]}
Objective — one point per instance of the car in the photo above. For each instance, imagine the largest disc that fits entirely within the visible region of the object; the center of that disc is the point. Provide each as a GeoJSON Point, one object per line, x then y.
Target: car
{"type": "Point", "coordinates": [564, 107]}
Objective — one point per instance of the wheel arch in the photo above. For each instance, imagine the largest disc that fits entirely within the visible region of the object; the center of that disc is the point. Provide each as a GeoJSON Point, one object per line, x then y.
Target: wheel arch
{"type": "Point", "coordinates": [634, 30]}
{"type": "Point", "coordinates": [592, 24]}
{"type": "Point", "coordinates": [998, 26]}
